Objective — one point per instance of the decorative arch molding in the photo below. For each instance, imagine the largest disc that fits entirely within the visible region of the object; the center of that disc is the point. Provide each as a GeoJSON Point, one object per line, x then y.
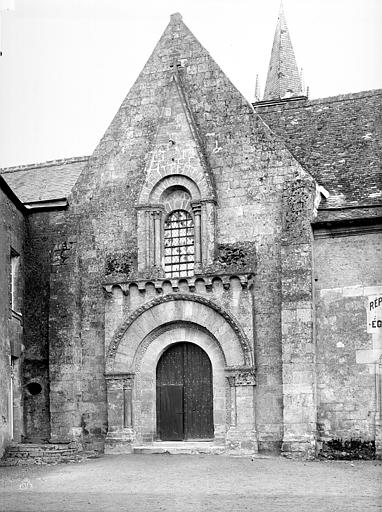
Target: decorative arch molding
{"type": "Point", "coordinates": [174, 326]}
{"type": "Point", "coordinates": [167, 193]}
{"type": "Point", "coordinates": [229, 319]}
{"type": "Point", "coordinates": [174, 180]}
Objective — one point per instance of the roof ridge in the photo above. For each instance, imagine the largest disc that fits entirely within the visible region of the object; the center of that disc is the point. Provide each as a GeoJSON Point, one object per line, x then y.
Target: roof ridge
{"type": "Point", "coordinates": [48, 163]}
{"type": "Point", "coordinates": [347, 96]}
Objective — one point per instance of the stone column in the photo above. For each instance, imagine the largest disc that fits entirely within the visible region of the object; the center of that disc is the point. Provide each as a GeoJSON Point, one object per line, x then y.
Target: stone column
{"type": "Point", "coordinates": [142, 237]}
{"type": "Point", "coordinates": [242, 436]}
{"type": "Point", "coordinates": [121, 434]}
{"type": "Point", "coordinates": [151, 239]}
{"type": "Point", "coordinates": [197, 229]}
{"type": "Point", "coordinates": [127, 407]}
{"type": "Point", "coordinates": [156, 215]}
{"type": "Point", "coordinates": [147, 241]}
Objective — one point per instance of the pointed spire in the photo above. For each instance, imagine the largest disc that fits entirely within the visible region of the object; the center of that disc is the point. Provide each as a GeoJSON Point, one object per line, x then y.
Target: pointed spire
{"type": "Point", "coordinates": [283, 79]}
{"type": "Point", "coordinates": [257, 89]}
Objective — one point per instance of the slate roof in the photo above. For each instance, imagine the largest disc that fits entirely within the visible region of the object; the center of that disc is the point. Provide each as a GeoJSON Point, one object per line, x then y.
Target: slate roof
{"type": "Point", "coordinates": [338, 140]}
{"type": "Point", "coordinates": [46, 181]}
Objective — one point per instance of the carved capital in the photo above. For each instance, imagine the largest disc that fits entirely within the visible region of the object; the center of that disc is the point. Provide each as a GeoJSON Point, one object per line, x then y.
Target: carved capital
{"type": "Point", "coordinates": [241, 376]}
{"type": "Point", "coordinates": [245, 378]}
{"type": "Point", "coordinates": [196, 207]}
{"type": "Point", "coordinates": [120, 380]}
{"type": "Point", "coordinates": [149, 207]}
{"type": "Point", "coordinates": [156, 214]}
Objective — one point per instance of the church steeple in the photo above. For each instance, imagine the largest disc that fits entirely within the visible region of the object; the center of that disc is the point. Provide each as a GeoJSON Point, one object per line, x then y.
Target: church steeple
{"type": "Point", "coordinates": [283, 79]}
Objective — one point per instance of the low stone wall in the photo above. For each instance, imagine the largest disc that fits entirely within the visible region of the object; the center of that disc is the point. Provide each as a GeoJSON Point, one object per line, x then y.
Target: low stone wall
{"type": "Point", "coordinates": [25, 454]}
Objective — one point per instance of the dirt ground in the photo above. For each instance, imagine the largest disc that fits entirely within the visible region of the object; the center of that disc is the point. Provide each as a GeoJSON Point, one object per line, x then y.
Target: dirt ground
{"type": "Point", "coordinates": [192, 483]}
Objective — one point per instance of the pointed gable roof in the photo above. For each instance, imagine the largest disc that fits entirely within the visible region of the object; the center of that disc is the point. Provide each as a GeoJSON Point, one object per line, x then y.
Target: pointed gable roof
{"type": "Point", "coordinates": [283, 79]}
{"type": "Point", "coordinates": [180, 75]}
{"type": "Point", "coordinates": [181, 96]}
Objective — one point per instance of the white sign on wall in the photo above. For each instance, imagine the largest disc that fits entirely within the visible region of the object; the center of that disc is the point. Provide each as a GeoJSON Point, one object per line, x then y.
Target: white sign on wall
{"type": "Point", "coordinates": [374, 314]}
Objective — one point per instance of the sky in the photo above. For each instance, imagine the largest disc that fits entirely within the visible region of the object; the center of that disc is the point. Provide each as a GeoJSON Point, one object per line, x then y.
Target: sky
{"type": "Point", "coordinates": [68, 64]}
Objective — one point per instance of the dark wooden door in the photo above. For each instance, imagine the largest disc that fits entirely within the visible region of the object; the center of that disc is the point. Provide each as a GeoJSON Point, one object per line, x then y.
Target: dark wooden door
{"type": "Point", "coordinates": [184, 394]}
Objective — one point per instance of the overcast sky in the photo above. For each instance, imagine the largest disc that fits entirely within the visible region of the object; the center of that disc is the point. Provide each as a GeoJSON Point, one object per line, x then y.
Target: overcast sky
{"type": "Point", "coordinates": [68, 64]}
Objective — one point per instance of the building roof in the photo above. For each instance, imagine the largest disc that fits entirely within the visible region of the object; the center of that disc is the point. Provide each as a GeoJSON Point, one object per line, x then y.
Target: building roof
{"type": "Point", "coordinates": [338, 140]}
{"type": "Point", "coordinates": [6, 189]}
{"type": "Point", "coordinates": [46, 181]}
{"type": "Point", "coordinates": [283, 79]}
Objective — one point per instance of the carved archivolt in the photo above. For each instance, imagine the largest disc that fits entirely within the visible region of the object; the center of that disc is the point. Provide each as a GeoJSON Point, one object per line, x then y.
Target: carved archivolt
{"type": "Point", "coordinates": [116, 340]}
{"type": "Point", "coordinates": [146, 342]}
{"type": "Point", "coordinates": [170, 182]}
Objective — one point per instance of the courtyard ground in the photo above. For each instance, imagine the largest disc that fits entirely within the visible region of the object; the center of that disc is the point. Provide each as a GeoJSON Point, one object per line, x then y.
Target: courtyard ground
{"type": "Point", "coordinates": [137, 483]}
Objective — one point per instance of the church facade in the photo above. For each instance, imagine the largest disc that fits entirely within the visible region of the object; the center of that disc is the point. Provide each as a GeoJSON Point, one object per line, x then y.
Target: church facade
{"type": "Point", "coordinates": [211, 273]}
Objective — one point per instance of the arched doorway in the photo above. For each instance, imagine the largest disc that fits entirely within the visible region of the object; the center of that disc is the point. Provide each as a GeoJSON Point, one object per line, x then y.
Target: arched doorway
{"type": "Point", "coordinates": [184, 394]}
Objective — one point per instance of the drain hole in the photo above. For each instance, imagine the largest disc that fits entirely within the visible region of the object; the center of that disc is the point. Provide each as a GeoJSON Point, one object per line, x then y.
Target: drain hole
{"type": "Point", "coordinates": [34, 388]}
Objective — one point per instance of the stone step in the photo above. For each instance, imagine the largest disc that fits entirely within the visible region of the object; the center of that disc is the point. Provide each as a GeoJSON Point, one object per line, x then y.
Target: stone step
{"type": "Point", "coordinates": [180, 448]}
{"type": "Point", "coordinates": [33, 453]}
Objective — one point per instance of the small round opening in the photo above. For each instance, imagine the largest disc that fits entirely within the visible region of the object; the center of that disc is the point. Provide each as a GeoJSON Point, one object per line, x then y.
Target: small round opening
{"type": "Point", "coordinates": [34, 388]}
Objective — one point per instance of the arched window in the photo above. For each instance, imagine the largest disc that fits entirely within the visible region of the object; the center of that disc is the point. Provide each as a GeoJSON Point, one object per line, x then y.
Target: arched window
{"type": "Point", "coordinates": [179, 249]}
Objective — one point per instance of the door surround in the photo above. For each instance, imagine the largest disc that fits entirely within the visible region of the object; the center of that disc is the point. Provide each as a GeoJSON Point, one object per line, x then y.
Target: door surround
{"type": "Point", "coordinates": [145, 379]}
{"type": "Point", "coordinates": [132, 359]}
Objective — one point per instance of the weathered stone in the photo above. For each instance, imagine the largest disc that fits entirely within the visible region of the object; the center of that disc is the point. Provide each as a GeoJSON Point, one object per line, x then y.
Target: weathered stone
{"type": "Point", "coordinates": [276, 289]}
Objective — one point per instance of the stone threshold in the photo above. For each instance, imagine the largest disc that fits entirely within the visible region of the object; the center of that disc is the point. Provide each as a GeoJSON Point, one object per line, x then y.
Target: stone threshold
{"type": "Point", "coordinates": [180, 448]}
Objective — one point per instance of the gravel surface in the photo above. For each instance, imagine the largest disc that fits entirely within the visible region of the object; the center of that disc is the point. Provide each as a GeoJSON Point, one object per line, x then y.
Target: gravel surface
{"type": "Point", "coordinates": [134, 483]}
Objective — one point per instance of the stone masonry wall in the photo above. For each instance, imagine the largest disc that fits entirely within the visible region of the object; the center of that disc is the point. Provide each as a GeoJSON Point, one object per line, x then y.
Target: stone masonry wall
{"type": "Point", "coordinates": [347, 272]}
{"type": "Point", "coordinates": [43, 230]}
{"type": "Point", "coordinates": [12, 235]}
{"type": "Point", "coordinates": [298, 350]}
{"type": "Point", "coordinates": [249, 167]}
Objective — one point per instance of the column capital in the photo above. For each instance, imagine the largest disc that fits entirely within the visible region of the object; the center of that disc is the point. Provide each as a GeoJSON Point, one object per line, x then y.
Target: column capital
{"type": "Point", "coordinates": [150, 207]}
{"type": "Point", "coordinates": [156, 214]}
{"type": "Point", "coordinates": [241, 376]}
{"type": "Point", "coordinates": [196, 207]}
{"type": "Point", "coordinates": [120, 380]}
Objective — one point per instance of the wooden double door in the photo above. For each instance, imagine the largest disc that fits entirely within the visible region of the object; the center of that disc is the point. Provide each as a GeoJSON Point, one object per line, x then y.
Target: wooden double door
{"type": "Point", "coordinates": [184, 394]}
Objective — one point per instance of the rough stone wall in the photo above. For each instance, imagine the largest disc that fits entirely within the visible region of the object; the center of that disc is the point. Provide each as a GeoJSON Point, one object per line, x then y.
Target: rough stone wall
{"type": "Point", "coordinates": [249, 167]}
{"type": "Point", "coordinates": [43, 230]}
{"type": "Point", "coordinates": [347, 271]}
{"type": "Point", "coordinates": [298, 350]}
{"type": "Point", "coordinates": [337, 140]}
{"type": "Point", "coordinates": [12, 235]}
